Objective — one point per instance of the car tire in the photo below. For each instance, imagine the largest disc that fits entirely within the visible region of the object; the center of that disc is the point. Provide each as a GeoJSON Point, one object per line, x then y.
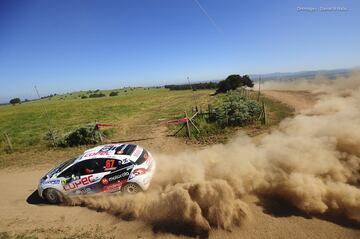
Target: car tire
{"type": "Point", "coordinates": [131, 188]}
{"type": "Point", "coordinates": [53, 196]}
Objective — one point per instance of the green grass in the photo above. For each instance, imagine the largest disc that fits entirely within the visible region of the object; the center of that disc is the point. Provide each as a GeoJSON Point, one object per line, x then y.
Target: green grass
{"type": "Point", "coordinates": [27, 123]}
{"type": "Point", "coordinates": [210, 132]}
{"type": "Point", "coordinates": [276, 111]}
{"type": "Point", "coordinates": [134, 113]}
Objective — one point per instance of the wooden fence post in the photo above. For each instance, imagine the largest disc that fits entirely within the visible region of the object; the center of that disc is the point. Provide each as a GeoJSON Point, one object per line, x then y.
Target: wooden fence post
{"type": "Point", "coordinates": [263, 120]}
{"type": "Point", "coordinates": [187, 125]}
{"type": "Point", "coordinates": [258, 96]}
{"type": "Point", "coordinates": [8, 142]}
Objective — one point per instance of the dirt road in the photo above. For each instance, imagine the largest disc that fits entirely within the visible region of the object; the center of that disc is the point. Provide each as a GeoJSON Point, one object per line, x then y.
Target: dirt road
{"type": "Point", "coordinates": [22, 212]}
{"type": "Point", "coordinates": [299, 100]}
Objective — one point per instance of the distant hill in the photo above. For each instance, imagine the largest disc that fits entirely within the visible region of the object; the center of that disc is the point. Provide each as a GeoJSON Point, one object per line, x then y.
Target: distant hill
{"type": "Point", "coordinates": [254, 77]}
{"type": "Point", "coordinates": [302, 74]}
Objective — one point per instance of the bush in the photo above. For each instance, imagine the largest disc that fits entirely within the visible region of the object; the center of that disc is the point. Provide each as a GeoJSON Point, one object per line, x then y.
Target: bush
{"type": "Point", "coordinates": [80, 136]}
{"type": "Point", "coordinates": [15, 101]}
{"type": "Point", "coordinates": [233, 110]}
{"type": "Point", "coordinates": [236, 110]}
{"type": "Point", "coordinates": [84, 97]}
{"type": "Point", "coordinates": [114, 93]}
{"type": "Point", "coordinates": [96, 95]}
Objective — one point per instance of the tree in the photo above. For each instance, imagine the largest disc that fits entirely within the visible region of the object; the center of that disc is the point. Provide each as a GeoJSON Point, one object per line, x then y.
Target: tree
{"type": "Point", "coordinates": [232, 82]}
{"type": "Point", "coordinates": [15, 101]}
{"type": "Point", "coordinates": [247, 81]}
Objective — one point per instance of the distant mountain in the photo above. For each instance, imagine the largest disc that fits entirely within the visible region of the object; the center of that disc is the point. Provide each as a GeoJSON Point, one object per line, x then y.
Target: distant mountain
{"type": "Point", "coordinates": [302, 74]}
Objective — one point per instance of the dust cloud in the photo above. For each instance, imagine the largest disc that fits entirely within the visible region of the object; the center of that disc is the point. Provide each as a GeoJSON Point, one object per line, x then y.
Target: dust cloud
{"type": "Point", "coordinates": [311, 161]}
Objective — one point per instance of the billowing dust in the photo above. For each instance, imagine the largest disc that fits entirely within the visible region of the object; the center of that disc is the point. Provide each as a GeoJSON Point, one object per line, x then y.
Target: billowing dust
{"type": "Point", "coordinates": [311, 161]}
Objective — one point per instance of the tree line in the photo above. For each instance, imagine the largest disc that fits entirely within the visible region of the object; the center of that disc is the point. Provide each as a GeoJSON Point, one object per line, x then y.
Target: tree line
{"type": "Point", "coordinates": [230, 83]}
{"type": "Point", "coordinates": [196, 86]}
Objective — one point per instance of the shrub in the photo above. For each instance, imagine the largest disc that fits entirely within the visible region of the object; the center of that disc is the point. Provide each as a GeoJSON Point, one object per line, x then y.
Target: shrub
{"type": "Point", "coordinates": [80, 136]}
{"type": "Point", "coordinates": [15, 101]}
{"type": "Point", "coordinates": [236, 110]}
{"type": "Point", "coordinates": [96, 95]}
{"type": "Point", "coordinates": [114, 93]}
{"type": "Point", "coordinates": [84, 97]}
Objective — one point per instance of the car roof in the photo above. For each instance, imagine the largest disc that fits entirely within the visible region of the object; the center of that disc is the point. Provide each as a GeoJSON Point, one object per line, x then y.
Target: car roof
{"type": "Point", "coordinates": [130, 151]}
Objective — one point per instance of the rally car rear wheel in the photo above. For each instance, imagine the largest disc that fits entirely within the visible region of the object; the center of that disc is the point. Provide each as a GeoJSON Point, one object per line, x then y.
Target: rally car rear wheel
{"type": "Point", "coordinates": [53, 196]}
{"type": "Point", "coordinates": [131, 188]}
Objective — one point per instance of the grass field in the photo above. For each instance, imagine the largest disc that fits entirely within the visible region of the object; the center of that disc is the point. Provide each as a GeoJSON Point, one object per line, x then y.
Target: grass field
{"type": "Point", "coordinates": [27, 123]}
{"type": "Point", "coordinates": [132, 112]}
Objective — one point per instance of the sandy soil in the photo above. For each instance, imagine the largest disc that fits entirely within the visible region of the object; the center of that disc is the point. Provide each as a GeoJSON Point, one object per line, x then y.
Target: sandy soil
{"type": "Point", "coordinates": [21, 211]}
{"type": "Point", "coordinates": [299, 100]}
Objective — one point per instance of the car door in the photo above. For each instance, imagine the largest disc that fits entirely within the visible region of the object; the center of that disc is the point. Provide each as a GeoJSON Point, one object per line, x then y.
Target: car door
{"type": "Point", "coordinates": [120, 170]}
{"type": "Point", "coordinates": [86, 177]}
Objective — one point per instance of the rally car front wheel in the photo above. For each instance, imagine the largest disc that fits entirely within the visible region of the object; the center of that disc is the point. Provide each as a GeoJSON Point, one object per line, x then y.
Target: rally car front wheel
{"type": "Point", "coordinates": [131, 188]}
{"type": "Point", "coordinates": [53, 196]}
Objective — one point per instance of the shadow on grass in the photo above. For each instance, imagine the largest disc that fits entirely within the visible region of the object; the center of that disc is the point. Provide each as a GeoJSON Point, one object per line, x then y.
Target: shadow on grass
{"type": "Point", "coordinates": [278, 207]}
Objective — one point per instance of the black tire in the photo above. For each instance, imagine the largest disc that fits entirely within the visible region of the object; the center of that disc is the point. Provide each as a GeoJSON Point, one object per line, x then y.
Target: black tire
{"type": "Point", "coordinates": [53, 196]}
{"type": "Point", "coordinates": [131, 188]}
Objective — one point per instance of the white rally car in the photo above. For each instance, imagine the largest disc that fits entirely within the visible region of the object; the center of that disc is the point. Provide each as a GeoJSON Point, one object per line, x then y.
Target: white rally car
{"type": "Point", "coordinates": [107, 168]}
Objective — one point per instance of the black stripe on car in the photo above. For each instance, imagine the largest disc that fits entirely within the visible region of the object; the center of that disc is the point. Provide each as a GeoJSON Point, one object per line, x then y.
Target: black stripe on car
{"type": "Point", "coordinates": [142, 158]}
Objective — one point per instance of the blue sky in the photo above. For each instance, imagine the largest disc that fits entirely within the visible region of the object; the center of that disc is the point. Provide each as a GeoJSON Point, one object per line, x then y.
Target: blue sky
{"type": "Point", "coordinates": [63, 45]}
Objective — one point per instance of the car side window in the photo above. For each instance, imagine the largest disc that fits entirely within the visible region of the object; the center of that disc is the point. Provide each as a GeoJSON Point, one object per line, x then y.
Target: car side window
{"type": "Point", "coordinates": [89, 166]}
{"type": "Point", "coordinates": [67, 173]}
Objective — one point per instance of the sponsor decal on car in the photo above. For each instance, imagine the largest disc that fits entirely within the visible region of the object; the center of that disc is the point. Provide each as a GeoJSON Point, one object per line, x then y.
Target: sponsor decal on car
{"type": "Point", "coordinates": [104, 181]}
{"type": "Point", "coordinates": [81, 182]}
{"type": "Point", "coordinates": [53, 182]}
{"type": "Point", "coordinates": [119, 176]}
{"type": "Point", "coordinates": [92, 154]}
{"type": "Point", "coordinates": [114, 186]}
{"type": "Point", "coordinates": [109, 147]}
{"type": "Point", "coordinates": [124, 161]}
{"type": "Point", "coordinates": [110, 164]}
{"type": "Point", "coordinates": [86, 190]}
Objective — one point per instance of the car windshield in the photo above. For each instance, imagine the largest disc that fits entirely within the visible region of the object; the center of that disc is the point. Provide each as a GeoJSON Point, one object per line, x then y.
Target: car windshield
{"type": "Point", "coordinates": [61, 167]}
